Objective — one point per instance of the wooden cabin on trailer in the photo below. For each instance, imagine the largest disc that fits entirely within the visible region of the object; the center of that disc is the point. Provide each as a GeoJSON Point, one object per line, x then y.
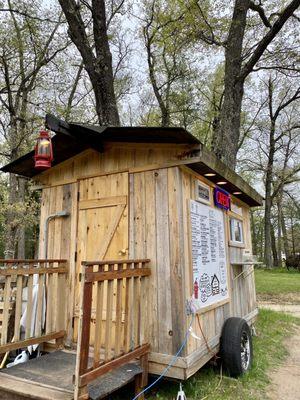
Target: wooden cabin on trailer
{"type": "Point", "coordinates": [144, 236]}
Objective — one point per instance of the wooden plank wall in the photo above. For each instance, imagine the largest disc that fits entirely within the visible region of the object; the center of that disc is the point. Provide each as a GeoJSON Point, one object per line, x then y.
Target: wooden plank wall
{"type": "Point", "coordinates": [116, 157]}
{"type": "Point", "coordinates": [61, 234]}
{"type": "Point", "coordinates": [61, 194]}
{"type": "Point", "coordinates": [160, 230]}
{"type": "Point", "coordinates": [156, 223]}
{"type": "Point", "coordinates": [242, 289]}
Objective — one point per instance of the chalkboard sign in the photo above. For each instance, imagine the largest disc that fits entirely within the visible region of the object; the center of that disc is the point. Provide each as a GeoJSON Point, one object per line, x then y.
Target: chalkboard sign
{"type": "Point", "coordinates": [208, 255]}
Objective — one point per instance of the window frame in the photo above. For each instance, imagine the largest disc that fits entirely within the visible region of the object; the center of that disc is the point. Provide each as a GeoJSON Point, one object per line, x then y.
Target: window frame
{"type": "Point", "coordinates": [235, 243]}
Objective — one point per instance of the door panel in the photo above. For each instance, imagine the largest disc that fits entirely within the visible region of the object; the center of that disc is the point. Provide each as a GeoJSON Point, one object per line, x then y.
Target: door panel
{"type": "Point", "coordinates": [102, 232]}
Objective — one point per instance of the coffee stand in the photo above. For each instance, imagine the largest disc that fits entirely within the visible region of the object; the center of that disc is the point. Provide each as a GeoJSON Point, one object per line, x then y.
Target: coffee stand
{"type": "Point", "coordinates": [140, 228]}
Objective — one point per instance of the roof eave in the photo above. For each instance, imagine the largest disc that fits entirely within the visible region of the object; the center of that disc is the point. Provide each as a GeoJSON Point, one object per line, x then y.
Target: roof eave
{"type": "Point", "coordinates": [208, 162]}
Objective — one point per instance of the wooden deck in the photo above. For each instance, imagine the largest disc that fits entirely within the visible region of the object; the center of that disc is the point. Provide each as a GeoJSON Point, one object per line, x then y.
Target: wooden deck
{"type": "Point", "coordinates": [50, 377]}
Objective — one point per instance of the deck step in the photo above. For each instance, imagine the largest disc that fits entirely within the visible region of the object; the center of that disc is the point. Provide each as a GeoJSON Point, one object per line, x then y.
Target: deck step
{"type": "Point", "coordinates": [113, 381]}
{"type": "Point", "coordinates": [50, 377]}
{"type": "Point", "coordinates": [13, 388]}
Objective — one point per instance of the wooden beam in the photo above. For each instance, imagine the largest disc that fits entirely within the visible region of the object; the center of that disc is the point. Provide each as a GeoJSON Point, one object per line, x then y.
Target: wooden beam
{"type": "Point", "coordinates": [33, 271]}
{"type": "Point", "coordinates": [32, 261]}
{"type": "Point", "coordinates": [86, 313]}
{"type": "Point", "coordinates": [111, 275]}
{"type": "Point", "coordinates": [104, 202]}
{"type": "Point", "coordinates": [210, 159]}
{"type": "Point", "coordinates": [31, 341]}
{"type": "Point", "coordinates": [110, 262]}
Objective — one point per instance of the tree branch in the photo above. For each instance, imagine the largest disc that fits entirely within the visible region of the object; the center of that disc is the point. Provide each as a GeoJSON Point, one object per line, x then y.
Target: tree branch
{"type": "Point", "coordinates": [258, 8]}
{"type": "Point", "coordinates": [267, 39]}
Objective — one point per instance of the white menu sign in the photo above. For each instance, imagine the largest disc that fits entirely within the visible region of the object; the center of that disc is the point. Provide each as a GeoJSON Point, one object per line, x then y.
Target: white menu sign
{"type": "Point", "coordinates": [208, 254]}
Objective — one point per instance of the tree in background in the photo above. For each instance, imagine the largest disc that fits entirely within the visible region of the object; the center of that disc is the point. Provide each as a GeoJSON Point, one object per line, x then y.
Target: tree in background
{"type": "Point", "coordinates": [93, 45]}
{"type": "Point", "coordinates": [239, 63]}
{"type": "Point", "coordinates": [276, 158]}
{"type": "Point", "coordinates": [27, 50]}
{"type": "Point", "coordinates": [167, 44]}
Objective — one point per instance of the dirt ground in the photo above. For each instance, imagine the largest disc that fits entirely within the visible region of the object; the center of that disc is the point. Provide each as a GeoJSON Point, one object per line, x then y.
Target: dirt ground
{"type": "Point", "coordinates": [279, 299]}
{"type": "Point", "coordinates": [292, 309]}
{"type": "Point", "coordinates": [285, 379]}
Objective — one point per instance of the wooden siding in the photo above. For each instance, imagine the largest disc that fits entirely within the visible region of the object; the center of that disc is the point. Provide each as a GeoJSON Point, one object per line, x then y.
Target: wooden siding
{"type": "Point", "coordinates": [159, 229]}
{"type": "Point", "coordinates": [117, 157]}
{"type": "Point", "coordinates": [156, 223]}
{"type": "Point", "coordinates": [242, 299]}
{"type": "Point", "coordinates": [61, 234]}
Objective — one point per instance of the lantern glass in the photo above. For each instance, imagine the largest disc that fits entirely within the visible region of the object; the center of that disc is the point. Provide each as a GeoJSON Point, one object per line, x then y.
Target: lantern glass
{"type": "Point", "coordinates": [43, 147]}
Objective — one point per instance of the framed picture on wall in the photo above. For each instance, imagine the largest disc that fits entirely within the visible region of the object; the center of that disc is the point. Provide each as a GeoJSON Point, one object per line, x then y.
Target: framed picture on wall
{"type": "Point", "coordinates": [202, 192]}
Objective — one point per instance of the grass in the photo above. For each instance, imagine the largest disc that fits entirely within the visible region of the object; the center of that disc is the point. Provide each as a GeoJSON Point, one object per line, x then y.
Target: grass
{"type": "Point", "coordinates": [277, 281]}
{"type": "Point", "coordinates": [272, 328]}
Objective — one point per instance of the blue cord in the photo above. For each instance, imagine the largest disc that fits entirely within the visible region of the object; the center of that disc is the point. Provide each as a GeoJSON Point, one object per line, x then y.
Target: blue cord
{"type": "Point", "coordinates": [171, 362]}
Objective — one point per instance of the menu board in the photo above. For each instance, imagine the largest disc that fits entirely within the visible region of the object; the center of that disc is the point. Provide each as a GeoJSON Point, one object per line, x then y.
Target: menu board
{"type": "Point", "coordinates": [208, 254]}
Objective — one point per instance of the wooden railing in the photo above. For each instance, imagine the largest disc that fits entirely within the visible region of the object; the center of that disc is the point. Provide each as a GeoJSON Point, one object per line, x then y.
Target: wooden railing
{"type": "Point", "coordinates": [118, 292]}
{"type": "Point", "coordinates": [32, 302]}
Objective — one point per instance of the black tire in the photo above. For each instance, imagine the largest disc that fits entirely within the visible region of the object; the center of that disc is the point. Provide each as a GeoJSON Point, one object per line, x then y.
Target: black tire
{"type": "Point", "coordinates": [236, 346]}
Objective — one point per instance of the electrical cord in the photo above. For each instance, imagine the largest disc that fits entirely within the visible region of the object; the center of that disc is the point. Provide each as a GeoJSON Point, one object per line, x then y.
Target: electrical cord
{"type": "Point", "coordinates": [171, 362]}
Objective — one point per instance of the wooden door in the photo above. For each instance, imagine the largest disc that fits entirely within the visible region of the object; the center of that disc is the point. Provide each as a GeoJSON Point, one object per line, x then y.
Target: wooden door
{"type": "Point", "coordinates": [102, 232]}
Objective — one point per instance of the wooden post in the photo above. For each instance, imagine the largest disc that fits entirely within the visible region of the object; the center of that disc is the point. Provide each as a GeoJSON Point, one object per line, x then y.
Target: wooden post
{"type": "Point", "coordinates": [141, 380]}
{"type": "Point", "coordinates": [85, 314]}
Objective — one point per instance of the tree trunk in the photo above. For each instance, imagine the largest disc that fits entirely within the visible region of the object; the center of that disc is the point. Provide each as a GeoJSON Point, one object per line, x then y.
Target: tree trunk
{"type": "Point", "coordinates": [285, 238]}
{"type": "Point", "coordinates": [11, 229]}
{"type": "Point", "coordinates": [268, 199]}
{"type": "Point", "coordinates": [99, 67]}
{"type": "Point", "coordinates": [279, 230]}
{"type": "Point", "coordinates": [21, 230]}
{"type": "Point", "coordinates": [292, 233]}
{"type": "Point", "coordinates": [274, 248]}
{"type": "Point", "coordinates": [226, 136]}
{"type": "Point", "coordinates": [253, 234]}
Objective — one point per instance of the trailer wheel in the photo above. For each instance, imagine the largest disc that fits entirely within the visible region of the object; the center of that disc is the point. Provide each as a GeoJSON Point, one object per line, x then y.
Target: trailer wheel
{"type": "Point", "coordinates": [236, 346]}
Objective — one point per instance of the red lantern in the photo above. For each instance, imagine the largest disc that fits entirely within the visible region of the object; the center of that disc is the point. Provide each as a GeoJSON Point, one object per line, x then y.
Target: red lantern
{"type": "Point", "coordinates": [43, 151]}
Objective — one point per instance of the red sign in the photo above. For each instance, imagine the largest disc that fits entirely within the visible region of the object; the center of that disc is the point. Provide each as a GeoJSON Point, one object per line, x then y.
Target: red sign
{"type": "Point", "coordinates": [221, 198]}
